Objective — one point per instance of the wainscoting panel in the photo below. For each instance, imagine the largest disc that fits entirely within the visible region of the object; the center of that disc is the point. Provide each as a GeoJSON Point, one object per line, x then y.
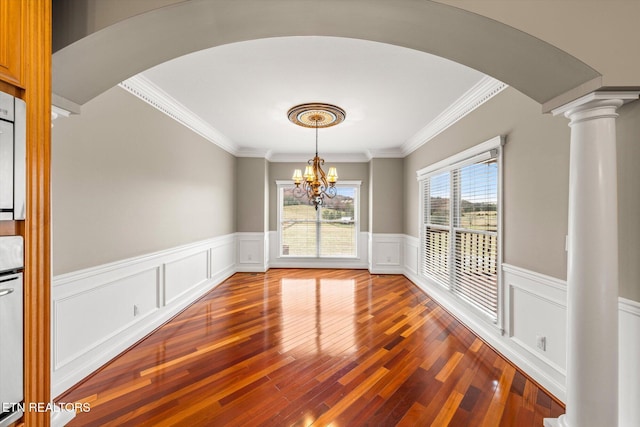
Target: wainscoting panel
{"type": "Point", "coordinates": [535, 307]}
{"type": "Point", "coordinates": [536, 319]}
{"type": "Point", "coordinates": [629, 363]}
{"type": "Point", "coordinates": [252, 252]}
{"type": "Point", "coordinates": [184, 274]}
{"type": "Point", "coordinates": [93, 315]}
{"type": "Point", "coordinates": [386, 253]}
{"type": "Point", "coordinates": [540, 369]}
{"type": "Point", "coordinates": [101, 311]}
{"type": "Point", "coordinates": [411, 254]}
{"type": "Point", "coordinates": [223, 258]}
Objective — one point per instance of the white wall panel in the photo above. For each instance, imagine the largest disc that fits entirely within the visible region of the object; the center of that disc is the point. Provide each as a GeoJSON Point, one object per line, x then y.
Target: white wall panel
{"type": "Point", "coordinates": [539, 326]}
{"type": "Point", "coordinates": [93, 316]}
{"type": "Point", "coordinates": [629, 363]}
{"type": "Point", "coordinates": [90, 317]}
{"type": "Point", "coordinates": [534, 306]}
{"type": "Point", "coordinates": [386, 253]}
{"type": "Point", "coordinates": [184, 274]}
{"type": "Point", "coordinates": [411, 253]}
{"type": "Point", "coordinates": [223, 256]}
{"type": "Point", "coordinates": [252, 252]}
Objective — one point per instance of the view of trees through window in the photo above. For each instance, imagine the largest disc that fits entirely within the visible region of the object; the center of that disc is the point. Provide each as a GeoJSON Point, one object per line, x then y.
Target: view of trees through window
{"type": "Point", "coordinates": [329, 231]}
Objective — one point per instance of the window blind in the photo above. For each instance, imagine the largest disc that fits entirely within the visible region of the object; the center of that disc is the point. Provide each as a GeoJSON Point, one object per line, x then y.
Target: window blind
{"type": "Point", "coordinates": [460, 230]}
{"type": "Point", "coordinates": [437, 228]}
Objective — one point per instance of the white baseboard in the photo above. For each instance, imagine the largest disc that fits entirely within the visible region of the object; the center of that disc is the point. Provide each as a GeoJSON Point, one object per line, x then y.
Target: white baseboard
{"type": "Point", "coordinates": [61, 417]}
{"type": "Point", "coordinates": [119, 303]}
{"type": "Point", "coordinates": [489, 332]}
{"type": "Point", "coordinates": [535, 305]}
{"type": "Point", "coordinates": [162, 284]}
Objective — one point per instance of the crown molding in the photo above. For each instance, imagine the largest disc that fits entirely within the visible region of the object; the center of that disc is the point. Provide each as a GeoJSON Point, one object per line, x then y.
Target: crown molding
{"type": "Point", "coordinates": [481, 92]}
{"type": "Point", "coordinates": [144, 89]}
{"type": "Point", "coordinates": [386, 153]}
{"type": "Point", "coordinates": [147, 91]}
{"type": "Point", "coordinates": [328, 157]}
{"type": "Point", "coordinates": [253, 152]}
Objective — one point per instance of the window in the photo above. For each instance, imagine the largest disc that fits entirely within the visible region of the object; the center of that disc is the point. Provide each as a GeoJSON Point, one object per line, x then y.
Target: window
{"type": "Point", "coordinates": [460, 224]}
{"type": "Point", "coordinates": [329, 232]}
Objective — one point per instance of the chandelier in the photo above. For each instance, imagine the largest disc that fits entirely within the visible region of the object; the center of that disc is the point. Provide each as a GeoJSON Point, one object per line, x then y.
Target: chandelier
{"type": "Point", "coordinates": [315, 184]}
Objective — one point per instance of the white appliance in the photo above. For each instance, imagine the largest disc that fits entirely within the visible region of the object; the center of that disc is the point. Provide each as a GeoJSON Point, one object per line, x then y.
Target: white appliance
{"type": "Point", "coordinates": [11, 329]}
{"type": "Point", "coordinates": [13, 157]}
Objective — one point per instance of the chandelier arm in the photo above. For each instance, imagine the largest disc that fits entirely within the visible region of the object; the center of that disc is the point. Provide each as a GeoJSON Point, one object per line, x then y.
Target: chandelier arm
{"type": "Point", "coordinates": [316, 185]}
{"type": "Point", "coordinates": [321, 175]}
{"type": "Point", "coordinates": [331, 192]}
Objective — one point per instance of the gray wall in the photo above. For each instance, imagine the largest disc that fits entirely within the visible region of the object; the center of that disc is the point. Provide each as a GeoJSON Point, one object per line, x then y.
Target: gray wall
{"type": "Point", "coordinates": [536, 181]}
{"type": "Point", "coordinates": [253, 194]}
{"type": "Point", "coordinates": [628, 136]}
{"type": "Point", "coordinates": [74, 19]}
{"type": "Point", "coordinates": [386, 196]}
{"type": "Point", "coordinates": [536, 177]}
{"type": "Point", "coordinates": [346, 172]}
{"type": "Point", "coordinates": [127, 180]}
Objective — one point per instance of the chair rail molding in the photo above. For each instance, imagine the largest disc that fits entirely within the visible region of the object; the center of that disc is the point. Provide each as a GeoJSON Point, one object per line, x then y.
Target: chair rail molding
{"type": "Point", "coordinates": [159, 285]}
{"type": "Point", "coordinates": [121, 302]}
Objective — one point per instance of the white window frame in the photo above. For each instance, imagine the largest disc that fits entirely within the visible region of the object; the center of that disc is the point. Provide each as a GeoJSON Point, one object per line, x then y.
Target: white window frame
{"type": "Point", "coordinates": [470, 156]}
{"type": "Point", "coordinates": [280, 184]}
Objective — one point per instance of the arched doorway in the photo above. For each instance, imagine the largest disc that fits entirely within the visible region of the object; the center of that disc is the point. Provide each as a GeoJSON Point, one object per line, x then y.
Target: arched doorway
{"type": "Point", "coordinates": [106, 57]}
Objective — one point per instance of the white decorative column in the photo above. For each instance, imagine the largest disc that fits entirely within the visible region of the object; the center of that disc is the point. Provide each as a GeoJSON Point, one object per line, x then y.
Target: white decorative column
{"type": "Point", "coordinates": [592, 267]}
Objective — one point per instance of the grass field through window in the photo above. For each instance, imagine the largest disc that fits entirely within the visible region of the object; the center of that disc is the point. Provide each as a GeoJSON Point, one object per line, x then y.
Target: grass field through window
{"type": "Point", "coordinates": [301, 231]}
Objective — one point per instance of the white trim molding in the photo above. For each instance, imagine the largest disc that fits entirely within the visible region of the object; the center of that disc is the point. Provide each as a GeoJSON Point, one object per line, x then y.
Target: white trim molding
{"type": "Point", "coordinates": [328, 157]}
{"type": "Point", "coordinates": [457, 160]}
{"type": "Point", "coordinates": [153, 95]}
{"type": "Point", "coordinates": [142, 293]}
{"type": "Point", "coordinates": [481, 92]}
{"type": "Point", "coordinates": [253, 252]}
{"type": "Point", "coordinates": [143, 88]}
{"type": "Point", "coordinates": [536, 324]}
{"type": "Point", "coordinates": [628, 357]}
{"type": "Point", "coordinates": [535, 308]}
{"type": "Point", "coordinates": [121, 302]}
{"type": "Point", "coordinates": [491, 334]}
{"type": "Point", "coordinates": [411, 254]}
{"type": "Point", "coordinates": [387, 253]}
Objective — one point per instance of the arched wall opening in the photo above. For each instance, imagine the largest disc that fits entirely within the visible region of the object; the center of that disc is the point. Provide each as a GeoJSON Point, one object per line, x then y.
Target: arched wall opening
{"type": "Point", "coordinates": [102, 59]}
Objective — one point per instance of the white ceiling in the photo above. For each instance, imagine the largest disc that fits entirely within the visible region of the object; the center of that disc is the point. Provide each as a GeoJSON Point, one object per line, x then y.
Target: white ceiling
{"type": "Point", "coordinates": [244, 90]}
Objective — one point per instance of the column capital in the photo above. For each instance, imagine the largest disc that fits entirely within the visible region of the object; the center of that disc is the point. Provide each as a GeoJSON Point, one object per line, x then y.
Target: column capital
{"type": "Point", "coordinates": [600, 104]}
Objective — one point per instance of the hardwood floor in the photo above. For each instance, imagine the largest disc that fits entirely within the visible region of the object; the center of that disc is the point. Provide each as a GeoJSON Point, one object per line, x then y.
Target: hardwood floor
{"type": "Point", "coordinates": [312, 347]}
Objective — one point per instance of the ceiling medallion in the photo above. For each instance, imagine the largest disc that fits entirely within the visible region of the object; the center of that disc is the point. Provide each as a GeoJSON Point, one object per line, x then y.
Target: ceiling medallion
{"type": "Point", "coordinates": [316, 114]}
{"type": "Point", "coordinates": [315, 184]}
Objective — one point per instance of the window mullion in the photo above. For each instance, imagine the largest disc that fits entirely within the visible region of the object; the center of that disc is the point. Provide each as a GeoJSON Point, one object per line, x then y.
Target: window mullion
{"type": "Point", "coordinates": [318, 234]}
{"type": "Point", "coordinates": [453, 221]}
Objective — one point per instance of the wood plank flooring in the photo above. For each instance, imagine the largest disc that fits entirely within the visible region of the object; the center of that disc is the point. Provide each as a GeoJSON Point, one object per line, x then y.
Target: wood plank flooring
{"type": "Point", "coordinates": [312, 347]}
